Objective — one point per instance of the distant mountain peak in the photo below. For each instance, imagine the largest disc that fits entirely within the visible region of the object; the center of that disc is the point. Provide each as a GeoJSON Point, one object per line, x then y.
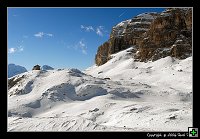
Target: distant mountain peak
{"type": "Point", "coordinates": [15, 69]}
{"type": "Point", "coordinates": [47, 67]}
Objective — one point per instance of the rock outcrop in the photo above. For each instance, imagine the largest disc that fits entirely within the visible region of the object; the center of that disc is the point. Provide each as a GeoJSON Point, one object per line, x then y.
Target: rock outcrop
{"type": "Point", "coordinates": [124, 35]}
{"type": "Point", "coordinates": [36, 67]}
{"type": "Point", "coordinates": [170, 34]}
{"type": "Point", "coordinates": [103, 53]}
{"type": "Point", "coordinates": [154, 35]}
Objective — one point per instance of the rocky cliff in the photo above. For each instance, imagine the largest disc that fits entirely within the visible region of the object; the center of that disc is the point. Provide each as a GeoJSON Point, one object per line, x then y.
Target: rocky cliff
{"type": "Point", "coordinates": [154, 36]}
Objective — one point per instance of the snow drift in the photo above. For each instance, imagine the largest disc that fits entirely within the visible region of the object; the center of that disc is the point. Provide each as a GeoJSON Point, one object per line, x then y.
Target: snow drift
{"type": "Point", "coordinates": [121, 95]}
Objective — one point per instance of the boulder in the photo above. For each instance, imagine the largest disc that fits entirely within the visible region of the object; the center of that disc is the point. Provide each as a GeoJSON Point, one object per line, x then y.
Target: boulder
{"type": "Point", "coordinates": [36, 67]}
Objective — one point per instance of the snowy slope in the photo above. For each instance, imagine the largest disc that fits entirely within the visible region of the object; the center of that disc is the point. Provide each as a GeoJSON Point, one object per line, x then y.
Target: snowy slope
{"type": "Point", "coordinates": [167, 72]}
{"type": "Point", "coordinates": [15, 69]}
{"type": "Point", "coordinates": [152, 96]}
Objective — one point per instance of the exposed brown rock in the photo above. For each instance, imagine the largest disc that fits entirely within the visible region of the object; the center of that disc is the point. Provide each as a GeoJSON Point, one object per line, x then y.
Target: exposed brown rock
{"type": "Point", "coordinates": [36, 67]}
{"type": "Point", "coordinates": [124, 35]}
{"type": "Point", "coordinates": [154, 36]}
{"type": "Point", "coordinates": [13, 81]}
{"type": "Point", "coordinates": [182, 48]}
{"type": "Point", "coordinates": [102, 54]}
{"type": "Point", "coordinates": [170, 27]}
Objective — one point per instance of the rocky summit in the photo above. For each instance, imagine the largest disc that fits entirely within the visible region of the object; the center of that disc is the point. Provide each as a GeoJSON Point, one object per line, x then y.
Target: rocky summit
{"type": "Point", "coordinates": [153, 35]}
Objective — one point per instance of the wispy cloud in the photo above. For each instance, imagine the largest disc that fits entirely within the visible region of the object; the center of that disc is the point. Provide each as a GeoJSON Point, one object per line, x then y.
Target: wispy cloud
{"type": "Point", "coordinates": [122, 14]}
{"type": "Point", "coordinates": [39, 34]}
{"type": "Point", "coordinates": [11, 50]}
{"type": "Point", "coordinates": [42, 34]}
{"type": "Point", "coordinates": [87, 28]}
{"type": "Point", "coordinates": [81, 45]}
{"type": "Point", "coordinates": [20, 48]}
{"type": "Point", "coordinates": [14, 50]}
{"type": "Point", "coordinates": [100, 31]}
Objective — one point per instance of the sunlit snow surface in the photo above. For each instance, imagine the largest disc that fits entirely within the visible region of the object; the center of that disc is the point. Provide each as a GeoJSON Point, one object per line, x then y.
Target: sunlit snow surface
{"type": "Point", "coordinates": [121, 95]}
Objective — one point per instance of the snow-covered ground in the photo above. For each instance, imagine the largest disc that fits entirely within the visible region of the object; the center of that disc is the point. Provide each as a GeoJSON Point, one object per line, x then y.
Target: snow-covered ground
{"type": "Point", "coordinates": [121, 95]}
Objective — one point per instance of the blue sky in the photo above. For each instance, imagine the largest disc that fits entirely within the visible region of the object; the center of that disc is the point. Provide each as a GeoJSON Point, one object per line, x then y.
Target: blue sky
{"type": "Point", "coordinates": [62, 37]}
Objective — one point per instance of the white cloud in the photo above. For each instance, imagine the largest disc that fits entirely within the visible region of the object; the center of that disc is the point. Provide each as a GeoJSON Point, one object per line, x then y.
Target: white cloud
{"type": "Point", "coordinates": [82, 27]}
{"type": "Point", "coordinates": [19, 47]}
{"type": "Point", "coordinates": [82, 45]}
{"type": "Point", "coordinates": [87, 28]}
{"type": "Point", "coordinates": [39, 34]}
{"type": "Point", "coordinates": [42, 34]}
{"type": "Point", "coordinates": [14, 50]}
{"type": "Point", "coordinates": [11, 50]}
{"type": "Point", "coordinates": [99, 31]}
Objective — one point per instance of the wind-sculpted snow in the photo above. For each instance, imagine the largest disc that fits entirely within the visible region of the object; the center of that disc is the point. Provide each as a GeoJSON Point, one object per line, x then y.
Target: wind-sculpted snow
{"type": "Point", "coordinates": [89, 91]}
{"type": "Point", "coordinates": [121, 95]}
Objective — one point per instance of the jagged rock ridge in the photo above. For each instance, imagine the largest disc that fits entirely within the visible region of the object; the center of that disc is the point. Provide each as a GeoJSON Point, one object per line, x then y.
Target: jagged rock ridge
{"type": "Point", "coordinates": [154, 35]}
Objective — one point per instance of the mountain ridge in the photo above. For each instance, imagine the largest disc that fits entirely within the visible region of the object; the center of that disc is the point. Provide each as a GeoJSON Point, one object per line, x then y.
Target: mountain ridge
{"type": "Point", "coordinates": [155, 35]}
{"type": "Point", "coordinates": [15, 69]}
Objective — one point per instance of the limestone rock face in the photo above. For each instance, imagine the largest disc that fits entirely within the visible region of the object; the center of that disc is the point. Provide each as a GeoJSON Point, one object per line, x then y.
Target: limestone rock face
{"type": "Point", "coordinates": [154, 35]}
{"type": "Point", "coordinates": [131, 31]}
{"type": "Point", "coordinates": [102, 54]}
{"type": "Point", "coordinates": [182, 48]}
{"type": "Point", "coordinates": [124, 35]}
{"type": "Point", "coordinates": [170, 34]}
